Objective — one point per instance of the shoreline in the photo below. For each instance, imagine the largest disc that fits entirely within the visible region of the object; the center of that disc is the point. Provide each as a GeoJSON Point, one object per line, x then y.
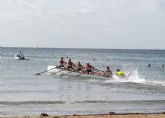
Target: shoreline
{"type": "Point", "coordinates": [109, 115]}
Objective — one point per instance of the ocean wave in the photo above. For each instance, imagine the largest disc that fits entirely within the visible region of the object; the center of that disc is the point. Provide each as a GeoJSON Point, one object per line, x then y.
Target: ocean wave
{"type": "Point", "coordinates": [30, 102]}
{"type": "Point", "coordinates": [78, 102]}
{"type": "Point", "coordinates": [144, 82]}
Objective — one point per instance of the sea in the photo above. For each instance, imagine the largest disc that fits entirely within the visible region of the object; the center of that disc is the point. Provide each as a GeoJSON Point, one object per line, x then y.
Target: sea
{"type": "Point", "coordinates": [22, 92]}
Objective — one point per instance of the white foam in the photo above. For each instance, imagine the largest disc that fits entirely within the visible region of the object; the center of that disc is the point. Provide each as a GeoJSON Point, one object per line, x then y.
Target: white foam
{"type": "Point", "coordinates": [134, 78]}
{"type": "Point", "coordinates": [160, 83]}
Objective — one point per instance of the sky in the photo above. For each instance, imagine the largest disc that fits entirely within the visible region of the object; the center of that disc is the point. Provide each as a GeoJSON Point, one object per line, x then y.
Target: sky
{"type": "Point", "coordinates": [110, 24]}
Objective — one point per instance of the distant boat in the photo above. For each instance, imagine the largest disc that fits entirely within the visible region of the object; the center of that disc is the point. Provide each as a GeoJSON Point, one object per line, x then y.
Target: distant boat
{"type": "Point", "coordinates": [20, 56]}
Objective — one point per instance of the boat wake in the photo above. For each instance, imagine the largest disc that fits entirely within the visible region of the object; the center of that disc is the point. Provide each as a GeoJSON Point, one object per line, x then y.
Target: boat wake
{"type": "Point", "coordinates": [134, 78]}
{"type": "Point", "coordinates": [131, 77]}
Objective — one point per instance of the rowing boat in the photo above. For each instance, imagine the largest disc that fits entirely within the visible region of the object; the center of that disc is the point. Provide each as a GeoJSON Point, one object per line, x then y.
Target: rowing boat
{"type": "Point", "coordinates": [54, 71]}
{"type": "Point", "coordinates": [20, 57]}
{"type": "Point", "coordinates": [59, 72]}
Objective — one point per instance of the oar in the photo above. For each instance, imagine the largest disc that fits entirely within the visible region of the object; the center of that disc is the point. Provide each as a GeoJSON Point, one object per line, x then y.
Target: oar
{"type": "Point", "coordinates": [66, 73]}
{"type": "Point", "coordinates": [56, 72]}
{"type": "Point", "coordinates": [79, 74]}
{"type": "Point", "coordinates": [128, 75]}
{"type": "Point", "coordinates": [98, 70]}
{"type": "Point", "coordinates": [44, 71]}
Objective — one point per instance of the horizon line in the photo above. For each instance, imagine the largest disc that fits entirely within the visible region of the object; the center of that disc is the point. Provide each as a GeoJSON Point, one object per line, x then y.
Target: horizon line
{"type": "Point", "coordinates": [83, 48]}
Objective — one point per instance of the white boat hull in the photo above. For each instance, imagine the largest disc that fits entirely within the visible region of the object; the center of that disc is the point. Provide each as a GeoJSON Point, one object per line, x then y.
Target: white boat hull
{"type": "Point", "coordinates": [52, 70]}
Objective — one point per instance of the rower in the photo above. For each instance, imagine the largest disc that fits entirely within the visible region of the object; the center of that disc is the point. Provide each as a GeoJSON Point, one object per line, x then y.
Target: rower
{"type": "Point", "coordinates": [79, 67]}
{"type": "Point", "coordinates": [120, 73]}
{"type": "Point", "coordinates": [107, 72]}
{"type": "Point", "coordinates": [62, 63]}
{"type": "Point", "coordinates": [89, 68]}
{"type": "Point", "coordinates": [70, 65]}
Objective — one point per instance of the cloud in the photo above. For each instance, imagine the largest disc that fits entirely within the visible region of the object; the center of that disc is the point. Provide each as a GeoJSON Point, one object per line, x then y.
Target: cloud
{"type": "Point", "coordinates": [149, 6]}
{"type": "Point", "coordinates": [28, 9]}
{"type": "Point", "coordinates": [105, 22]}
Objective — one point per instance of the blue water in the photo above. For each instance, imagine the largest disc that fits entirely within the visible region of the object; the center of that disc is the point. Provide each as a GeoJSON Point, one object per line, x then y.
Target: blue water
{"type": "Point", "coordinates": [23, 93]}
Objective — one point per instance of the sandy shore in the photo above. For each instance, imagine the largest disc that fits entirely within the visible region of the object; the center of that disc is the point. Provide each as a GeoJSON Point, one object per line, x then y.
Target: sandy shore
{"type": "Point", "coordinates": [111, 115]}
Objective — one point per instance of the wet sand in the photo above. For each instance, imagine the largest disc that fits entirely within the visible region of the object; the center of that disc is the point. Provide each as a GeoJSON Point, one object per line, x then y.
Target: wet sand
{"type": "Point", "coordinates": [110, 115]}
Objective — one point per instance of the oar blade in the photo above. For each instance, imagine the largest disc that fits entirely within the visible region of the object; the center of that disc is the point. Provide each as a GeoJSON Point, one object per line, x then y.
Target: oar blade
{"type": "Point", "coordinates": [44, 71]}
{"type": "Point", "coordinates": [127, 77]}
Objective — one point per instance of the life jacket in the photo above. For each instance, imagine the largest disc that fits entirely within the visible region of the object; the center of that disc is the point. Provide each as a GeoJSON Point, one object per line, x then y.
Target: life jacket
{"type": "Point", "coordinates": [120, 73]}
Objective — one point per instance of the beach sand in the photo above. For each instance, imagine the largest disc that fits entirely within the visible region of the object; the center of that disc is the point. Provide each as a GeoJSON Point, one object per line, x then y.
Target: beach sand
{"type": "Point", "coordinates": [110, 115]}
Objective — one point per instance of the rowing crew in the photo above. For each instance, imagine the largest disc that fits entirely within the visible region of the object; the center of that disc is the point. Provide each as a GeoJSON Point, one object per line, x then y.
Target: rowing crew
{"type": "Point", "coordinates": [88, 68]}
{"type": "Point", "coordinates": [70, 66]}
